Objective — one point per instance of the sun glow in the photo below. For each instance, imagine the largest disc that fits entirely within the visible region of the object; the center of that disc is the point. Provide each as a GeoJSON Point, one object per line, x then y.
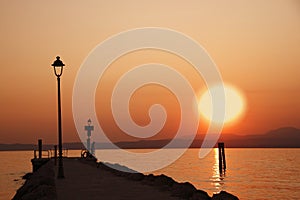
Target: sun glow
{"type": "Point", "coordinates": [234, 103]}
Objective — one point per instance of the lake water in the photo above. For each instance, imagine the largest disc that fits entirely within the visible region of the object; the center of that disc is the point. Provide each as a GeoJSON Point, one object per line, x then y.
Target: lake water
{"type": "Point", "coordinates": [251, 173]}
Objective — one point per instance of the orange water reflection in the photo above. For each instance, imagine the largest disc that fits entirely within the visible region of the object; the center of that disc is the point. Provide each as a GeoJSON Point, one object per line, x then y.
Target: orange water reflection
{"type": "Point", "coordinates": [217, 179]}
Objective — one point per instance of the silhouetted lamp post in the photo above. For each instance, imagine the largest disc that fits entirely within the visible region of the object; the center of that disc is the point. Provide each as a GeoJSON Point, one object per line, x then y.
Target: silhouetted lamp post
{"type": "Point", "coordinates": [58, 66]}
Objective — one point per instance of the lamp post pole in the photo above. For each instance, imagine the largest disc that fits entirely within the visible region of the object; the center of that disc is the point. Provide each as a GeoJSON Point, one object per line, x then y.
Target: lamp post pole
{"type": "Point", "coordinates": [58, 69]}
{"type": "Point", "coordinates": [60, 159]}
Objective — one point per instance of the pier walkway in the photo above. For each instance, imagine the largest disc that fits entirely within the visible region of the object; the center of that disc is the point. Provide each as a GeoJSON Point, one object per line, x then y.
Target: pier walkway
{"type": "Point", "coordinates": [84, 181]}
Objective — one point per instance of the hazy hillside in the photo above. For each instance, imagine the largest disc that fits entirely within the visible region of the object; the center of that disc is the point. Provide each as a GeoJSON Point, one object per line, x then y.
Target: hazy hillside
{"type": "Point", "coordinates": [282, 137]}
{"type": "Point", "coordinates": [286, 137]}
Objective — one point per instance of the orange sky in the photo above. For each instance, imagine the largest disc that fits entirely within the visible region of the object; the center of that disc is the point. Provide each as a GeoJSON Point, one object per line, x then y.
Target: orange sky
{"type": "Point", "coordinates": [255, 44]}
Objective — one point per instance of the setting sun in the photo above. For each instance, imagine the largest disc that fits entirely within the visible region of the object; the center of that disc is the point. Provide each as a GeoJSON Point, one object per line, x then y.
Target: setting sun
{"type": "Point", "coordinates": [234, 103]}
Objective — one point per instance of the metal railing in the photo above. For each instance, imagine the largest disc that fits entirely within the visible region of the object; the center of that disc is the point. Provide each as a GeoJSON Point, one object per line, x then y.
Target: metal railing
{"type": "Point", "coordinates": [65, 152]}
{"type": "Point", "coordinates": [42, 154]}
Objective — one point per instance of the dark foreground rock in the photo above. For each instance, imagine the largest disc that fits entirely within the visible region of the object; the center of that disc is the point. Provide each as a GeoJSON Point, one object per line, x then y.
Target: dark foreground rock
{"type": "Point", "coordinates": [224, 196]}
{"type": "Point", "coordinates": [27, 176]}
{"type": "Point", "coordinates": [39, 185]}
{"type": "Point", "coordinates": [181, 190]}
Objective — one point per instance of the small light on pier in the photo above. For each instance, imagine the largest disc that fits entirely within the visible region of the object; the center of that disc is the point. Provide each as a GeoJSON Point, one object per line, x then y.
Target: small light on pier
{"type": "Point", "coordinates": [89, 130]}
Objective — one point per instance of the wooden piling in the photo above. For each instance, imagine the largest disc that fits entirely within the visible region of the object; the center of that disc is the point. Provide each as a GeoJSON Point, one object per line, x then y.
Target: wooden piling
{"type": "Point", "coordinates": [222, 160]}
{"type": "Point", "coordinates": [223, 156]}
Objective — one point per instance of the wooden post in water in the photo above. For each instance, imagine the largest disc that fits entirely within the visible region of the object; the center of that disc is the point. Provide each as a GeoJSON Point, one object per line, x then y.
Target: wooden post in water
{"type": "Point", "coordinates": [223, 156]}
{"type": "Point", "coordinates": [40, 146]}
{"type": "Point", "coordinates": [222, 160]}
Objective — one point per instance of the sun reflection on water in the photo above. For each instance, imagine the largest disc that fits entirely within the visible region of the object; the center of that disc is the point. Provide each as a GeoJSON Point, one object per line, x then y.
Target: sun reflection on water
{"type": "Point", "coordinates": [217, 179]}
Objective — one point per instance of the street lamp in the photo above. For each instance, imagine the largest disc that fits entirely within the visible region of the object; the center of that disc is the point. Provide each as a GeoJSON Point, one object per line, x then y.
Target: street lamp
{"type": "Point", "coordinates": [58, 66]}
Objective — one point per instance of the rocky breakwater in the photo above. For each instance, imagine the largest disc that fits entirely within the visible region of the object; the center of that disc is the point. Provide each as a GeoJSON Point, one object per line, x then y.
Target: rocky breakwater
{"type": "Point", "coordinates": [181, 190]}
{"type": "Point", "coordinates": [39, 185]}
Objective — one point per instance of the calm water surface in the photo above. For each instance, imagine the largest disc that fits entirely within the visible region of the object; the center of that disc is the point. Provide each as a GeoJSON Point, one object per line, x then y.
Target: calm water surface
{"type": "Point", "coordinates": [14, 164]}
{"type": "Point", "coordinates": [251, 173]}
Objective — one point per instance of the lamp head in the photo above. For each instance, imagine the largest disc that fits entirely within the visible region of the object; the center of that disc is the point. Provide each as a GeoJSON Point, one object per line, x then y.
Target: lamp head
{"type": "Point", "coordinates": [58, 66]}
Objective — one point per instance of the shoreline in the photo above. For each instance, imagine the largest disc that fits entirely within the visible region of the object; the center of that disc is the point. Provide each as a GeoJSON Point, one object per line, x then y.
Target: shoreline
{"type": "Point", "coordinates": [78, 149]}
{"type": "Point", "coordinates": [43, 183]}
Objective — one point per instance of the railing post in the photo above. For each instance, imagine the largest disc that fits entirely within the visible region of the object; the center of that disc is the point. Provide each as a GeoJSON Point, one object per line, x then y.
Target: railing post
{"type": "Point", "coordinates": [40, 146]}
{"type": "Point", "coordinates": [55, 154]}
{"type": "Point", "coordinates": [34, 153]}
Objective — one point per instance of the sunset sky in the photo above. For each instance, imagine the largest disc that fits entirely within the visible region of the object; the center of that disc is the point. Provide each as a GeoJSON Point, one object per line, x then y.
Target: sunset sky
{"type": "Point", "coordinates": [255, 44]}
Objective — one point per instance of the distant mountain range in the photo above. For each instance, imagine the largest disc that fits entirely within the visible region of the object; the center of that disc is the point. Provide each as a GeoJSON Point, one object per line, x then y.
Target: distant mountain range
{"type": "Point", "coordinates": [286, 137]}
{"type": "Point", "coordinates": [283, 137]}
